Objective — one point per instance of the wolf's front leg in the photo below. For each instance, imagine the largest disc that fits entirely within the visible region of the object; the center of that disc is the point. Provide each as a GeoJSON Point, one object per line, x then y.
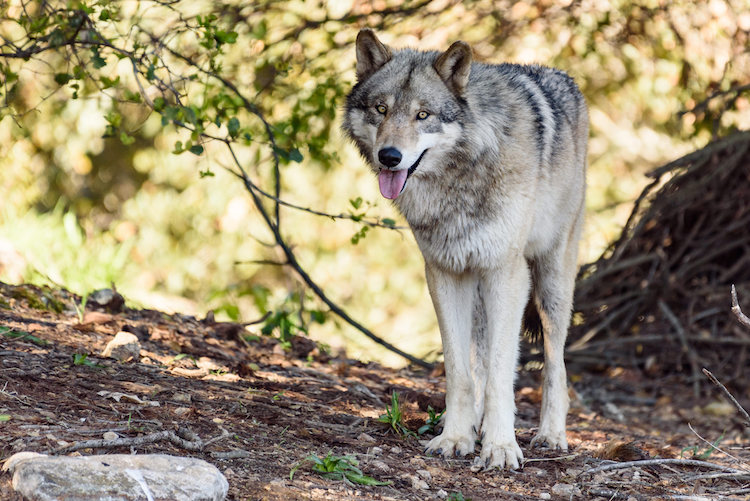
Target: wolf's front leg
{"type": "Point", "coordinates": [453, 296]}
{"type": "Point", "coordinates": [505, 292]}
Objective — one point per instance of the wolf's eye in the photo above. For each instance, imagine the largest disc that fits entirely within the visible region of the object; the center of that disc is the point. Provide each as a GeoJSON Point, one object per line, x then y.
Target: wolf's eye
{"type": "Point", "coordinates": [422, 115]}
{"type": "Point", "coordinates": [381, 108]}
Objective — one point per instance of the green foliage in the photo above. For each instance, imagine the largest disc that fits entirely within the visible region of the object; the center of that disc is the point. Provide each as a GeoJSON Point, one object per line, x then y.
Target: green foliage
{"type": "Point", "coordinates": [433, 419]}
{"type": "Point", "coordinates": [82, 359]}
{"type": "Point", "coordinates": [394, 419]}
{"type": "Point", "coordinates": [457, 496]}
{"type": "Point", "coordinates": [337, 468]}
{"type": "Point", "coordinates": [21, 336]}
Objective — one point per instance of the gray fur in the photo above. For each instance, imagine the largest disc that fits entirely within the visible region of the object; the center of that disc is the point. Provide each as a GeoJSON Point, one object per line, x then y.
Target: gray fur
{"type": "Point", "coordinates": [495, 202]}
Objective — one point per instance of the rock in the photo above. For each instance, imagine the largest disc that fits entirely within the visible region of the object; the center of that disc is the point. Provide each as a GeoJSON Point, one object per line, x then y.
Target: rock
{"type": "Point", "coordinates": [416, 482]}
{"type": "Point", "coordinates": [566, 490]}
{"type": "Point", "coordinates": [380, 465]}
{"type": "Point", "coordinates": [396, 449]}
{"type": "Point", "coordinates": [545, 495]}
{"type": "Point", "coordinates": [376, 451]}
{"type": "Point", "coordinates": [719, 408]}
{"type": "Point", "coordinates": [442, 494]}
{"type": "Point", "coordinates": [424, 474]}
{"type": "Point", "coordinates": [123, 347]}
{"type": "Point", "coordinates": [110, 435]}
{"type": "Point", "coordinates": [107, 299]}
{"type": "Point", "coordinates": [115, 476]}
{"type": "Point", "coordinates": [364, 437]}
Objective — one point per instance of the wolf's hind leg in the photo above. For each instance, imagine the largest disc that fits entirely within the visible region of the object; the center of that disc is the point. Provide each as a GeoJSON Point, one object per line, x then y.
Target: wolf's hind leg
{"type": "Point", "coordinates": [555, 281]}
{"type": "Point", "coordinates": [453, 296]}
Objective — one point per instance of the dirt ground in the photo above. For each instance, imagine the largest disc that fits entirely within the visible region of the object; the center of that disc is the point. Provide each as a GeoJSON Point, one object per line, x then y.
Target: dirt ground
{"type": "Point", "coordinates": [255, 410]}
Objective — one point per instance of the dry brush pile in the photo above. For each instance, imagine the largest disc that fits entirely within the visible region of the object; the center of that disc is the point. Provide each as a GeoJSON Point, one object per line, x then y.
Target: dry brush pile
{"type": "Point", "coordinates": [659, 297]}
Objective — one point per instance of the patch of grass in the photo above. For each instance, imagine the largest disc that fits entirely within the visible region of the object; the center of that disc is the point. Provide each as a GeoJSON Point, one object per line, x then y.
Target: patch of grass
{"type": "Point", "coordinates": [432, 421]}
{"type": "Point", "coordinates": [457, 496]}
{"type": "Point", "coordinates": [394, 418]}
{"type": "Point", "coordinates": [82, 359]}
{"type": "Point", "coordinates": [22, 336]}
{"type": "Point", "coordinates": [337, 468]}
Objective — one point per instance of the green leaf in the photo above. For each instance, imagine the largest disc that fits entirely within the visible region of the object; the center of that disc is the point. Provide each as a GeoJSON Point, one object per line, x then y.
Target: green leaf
{"type": "Point", "coordinates": [134, 97]}
{"type": "Point", "coordinates": [295, 155]}
{"type": "Point", "coordinates": [356, 202]}
{"type": "Point", "coordinates": [150, 73]}
{"type": "Point", "coordinates": [159, 104]}
{"type": "Point", "coordinates": [318, 316]}
{"type": "Point", "coordinates": [126, 139]}
{"type": "Point", "coordinates": [388, 222]}
{"type": "Point", "coordinates": [196, 149]}
{"type": "Point", "coordinates": [4, 418]}
{"type": "Point", "coordinates": [108, 82]}
{"type": "Point", "coordinates": [360, 479]}
{"type": "Point", "coordinates": [63, 78]}
{"type": "Point", "coordinates": [233, 127]}
{"type": "Point", "coordinates": [96, 59]}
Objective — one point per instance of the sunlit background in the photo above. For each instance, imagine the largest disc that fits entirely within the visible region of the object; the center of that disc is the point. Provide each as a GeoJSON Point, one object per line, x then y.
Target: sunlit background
{"type": "Point", "coordinates": [176, 232]}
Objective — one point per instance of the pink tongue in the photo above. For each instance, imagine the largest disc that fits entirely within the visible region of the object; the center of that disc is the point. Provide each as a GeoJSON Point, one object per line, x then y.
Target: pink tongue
{"type": "Point", "coordinates": [391, 182]}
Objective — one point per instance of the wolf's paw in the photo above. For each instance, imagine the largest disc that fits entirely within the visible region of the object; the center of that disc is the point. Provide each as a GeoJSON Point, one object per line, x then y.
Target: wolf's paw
{"type": "Point", "coordinates": [447, 445]}
{"type": "Point", "coordinates": [553, 440]}
{"type": "Point", "coordinates": [501, 455]}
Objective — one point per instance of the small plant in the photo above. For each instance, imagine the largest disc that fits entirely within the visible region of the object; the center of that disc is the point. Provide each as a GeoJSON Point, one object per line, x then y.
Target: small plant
{"type": "Point", "coordinates": [337, 468]}
{"type": "Point", "coordinates": [394, 418]}
{"type": "Point", "coordinates": [82, 359]}
{"type": "Point", "coordinates": [81, 308]}
{"type": "Point", "coordinates": [457, 496]}
{"type": "Point", "coordinates": [432, 421]}
{"type": "Point", "coordinates": [21, 336]}
{"type": "Point", "coordinates": [697, 453]}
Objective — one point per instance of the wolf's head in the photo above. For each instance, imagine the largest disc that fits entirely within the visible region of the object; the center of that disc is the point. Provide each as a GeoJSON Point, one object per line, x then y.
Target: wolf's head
{"type": "Point", "coordinates": [407, 109]}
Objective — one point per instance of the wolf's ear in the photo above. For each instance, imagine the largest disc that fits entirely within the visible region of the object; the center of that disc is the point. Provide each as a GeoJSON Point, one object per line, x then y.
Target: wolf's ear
{"type": "Point", "coordinates": [371, 54]}
{"type": "Point", "coordinates": [454, 66]}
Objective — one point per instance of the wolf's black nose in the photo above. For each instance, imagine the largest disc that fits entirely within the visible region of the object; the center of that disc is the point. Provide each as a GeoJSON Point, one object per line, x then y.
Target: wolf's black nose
{"type": "Point", "coordinates": [390, 157]}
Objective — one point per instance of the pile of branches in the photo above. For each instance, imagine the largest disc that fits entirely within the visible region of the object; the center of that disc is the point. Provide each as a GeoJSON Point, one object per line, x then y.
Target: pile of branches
{"type": "Point", "coordinates": [659, 297]}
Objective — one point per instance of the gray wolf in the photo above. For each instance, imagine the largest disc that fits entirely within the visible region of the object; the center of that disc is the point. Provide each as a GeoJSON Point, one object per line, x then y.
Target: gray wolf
{"type": "Point", "coordinates": [487, 165]}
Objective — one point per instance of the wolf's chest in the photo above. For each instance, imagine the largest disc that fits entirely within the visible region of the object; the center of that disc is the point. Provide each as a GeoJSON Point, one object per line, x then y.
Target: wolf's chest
{"type": "Point", "coordinates": [456, 238]}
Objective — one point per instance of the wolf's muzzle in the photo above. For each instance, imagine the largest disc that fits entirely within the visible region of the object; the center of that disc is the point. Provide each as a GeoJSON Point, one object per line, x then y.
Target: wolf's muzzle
{"type": "Point", "coordinates": [390, 157]}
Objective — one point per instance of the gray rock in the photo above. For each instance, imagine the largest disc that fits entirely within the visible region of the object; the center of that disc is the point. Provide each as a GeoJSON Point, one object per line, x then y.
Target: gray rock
{"type": "Point", "coordinates": [123, 347]}
{"type": "Point", "coordinates": [566, 490]}
{"type": "Point", "coordinates": [115, 477]}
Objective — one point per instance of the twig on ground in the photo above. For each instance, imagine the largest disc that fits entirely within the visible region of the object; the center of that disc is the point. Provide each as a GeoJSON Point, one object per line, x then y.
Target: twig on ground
{"type": "Point", "coordinates": [713, 446]}
{"type": "Point", "coordinates": [744, 320]}
{"type": "Point", "coordinates": [662, 462]}
{"type": "Point", "coordinates": [559, 458]}
{"type": "Point", "coordinates": [731, 398]}
{"type": "Point", "coordinates": [183, 438]}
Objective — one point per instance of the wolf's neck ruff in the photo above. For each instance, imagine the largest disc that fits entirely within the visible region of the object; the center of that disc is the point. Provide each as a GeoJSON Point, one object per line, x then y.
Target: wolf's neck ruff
{"type": "Point", "coordinates": [392, 182]}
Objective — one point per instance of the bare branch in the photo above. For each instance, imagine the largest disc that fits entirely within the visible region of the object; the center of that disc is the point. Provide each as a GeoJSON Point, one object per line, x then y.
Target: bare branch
{"type": "Point", "coordinates": [731, 398]}
{"type": "Point", "coordinates": [744, 320]}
